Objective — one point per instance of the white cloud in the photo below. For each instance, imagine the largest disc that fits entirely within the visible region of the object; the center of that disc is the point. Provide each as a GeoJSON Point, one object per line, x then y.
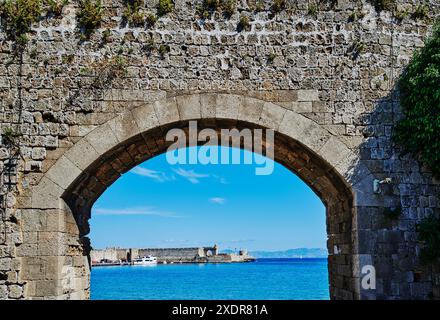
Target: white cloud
{"type": "Point", "coordinates": [156, 175]}
{"type": "Point", "coordinates": [144, 211]}
{"type": "Point", "coordinates": [190, 175]}
{"type": "Point", "coordinates": [217, 200]}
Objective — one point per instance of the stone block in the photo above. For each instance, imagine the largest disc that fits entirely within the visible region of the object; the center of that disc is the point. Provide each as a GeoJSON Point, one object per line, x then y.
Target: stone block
{"type": "Point", "coordinates": [208, 104]}
{"type": "Point", "coordinates": [33, 220]}
{"type": "Point", "coordinates": [5, 264]}
{"type": "Point", "coordinates": [145, 117]}
{"type": "Point", "coordinates": [47, 288]}
{"type": "Point", "coordinates": [334, 151]}
{"type": "Point", "coordinates": [308, 95]}
{"type": "Point", "coordinates": [3, 292]}
{"type": "Point", "coordinates": [250, 110]}
{"type": "Point", "coordinates": [16, 264]}
{"type": "Point", "coordinates": [15, 291]}
{"type": "Point", "coordinates": [53, 266]}
{"type": "Point", "coordinates": [102, 139]}
{"type": "Point", "coordinates": [11, 276]}
{"type": "Point", "coordinates": [124, 126]}
{"type": "Point", "coordinates": [82, 154]}
{"type": "Point", "coordinates": [46, 195]}
{"type": "Point", "coordinates": [78, 295]}
{"type": "Point", "coordinates": [359, 261]}
{"type": "Point", "coordinates": [352, 169]}
{"type": "Point", "coordinates": [50, 244]}
{"type": "Point", "coordinates": [63, 172]}
{"type": "Point", "coordinates": [38, 153]}
{"type": "Point", "coordinates": [227, 106]}
{"type": "Point", "coordinates": [124, 95]}
{"type": "Point", "coordinates": [166, 111]}
{"type": "Point", "coordinates": [363, 193]}
{"type": "Point", "coordinates": [27, 250]}
{"type": "Point", "coordinates": [188, 106]}
{"type": "Point", "coordinates": [303, 130]}
{"type": "Point", "coordinates": [271, 116]}
{"type": "Point", "coordinates": [303, 107]}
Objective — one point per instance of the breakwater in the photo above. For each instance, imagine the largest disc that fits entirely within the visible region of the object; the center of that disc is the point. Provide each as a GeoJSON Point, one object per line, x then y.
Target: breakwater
{"type": "Point", "coordinates": [112, 256]}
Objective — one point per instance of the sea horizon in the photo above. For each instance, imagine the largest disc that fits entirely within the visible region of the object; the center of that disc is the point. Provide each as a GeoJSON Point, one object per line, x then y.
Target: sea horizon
{"type": "Point", "coordinates": [263, 279]}
{"type": "Point", "coordinates": [275, 253]}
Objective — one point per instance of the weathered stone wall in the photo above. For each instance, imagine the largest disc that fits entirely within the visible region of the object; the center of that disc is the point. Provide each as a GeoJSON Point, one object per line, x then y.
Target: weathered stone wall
{"type": "Point", "coordinates": [167, 255]}
{"type": "Point", "coordinates": [113, 254]}
{"type": "Point", "coordinates": [299, 70]}
{"type": "Point", "coordinates": [176, 254]}
{"type": "Point", "coordinates": [172, 253]}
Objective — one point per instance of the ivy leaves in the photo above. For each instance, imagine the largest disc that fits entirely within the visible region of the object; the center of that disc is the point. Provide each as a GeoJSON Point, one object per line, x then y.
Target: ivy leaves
{"type": "Point", "coordinates": [419, 131]}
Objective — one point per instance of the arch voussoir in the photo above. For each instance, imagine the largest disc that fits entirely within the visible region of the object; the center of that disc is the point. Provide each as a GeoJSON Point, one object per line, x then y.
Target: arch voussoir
{"type": "Point", "coordinates": [166, 111]}
{"type": "Point", "coordinates": [124, 126]}
{"type": "Point", "coordinates": [189, 106]}
{"type": "Point", "coordinates": [227, 106]}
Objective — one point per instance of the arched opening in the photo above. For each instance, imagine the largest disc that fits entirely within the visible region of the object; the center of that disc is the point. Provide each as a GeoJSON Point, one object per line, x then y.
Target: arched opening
{"type": "Point", "coordinates": [71, 186]}
{"type": "Point", "coordinates": [175, 212]}
{"type": "Point", "coordinates": [312, 169]}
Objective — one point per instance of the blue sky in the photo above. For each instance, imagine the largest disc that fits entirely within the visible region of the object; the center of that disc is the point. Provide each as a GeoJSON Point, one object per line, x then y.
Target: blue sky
{"type": "Point", "coordinates": [161, 205]}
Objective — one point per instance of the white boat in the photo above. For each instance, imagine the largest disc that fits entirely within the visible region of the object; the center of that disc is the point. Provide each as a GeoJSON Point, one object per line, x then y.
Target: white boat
{"type": "Point", "coordinates": [148, 260]}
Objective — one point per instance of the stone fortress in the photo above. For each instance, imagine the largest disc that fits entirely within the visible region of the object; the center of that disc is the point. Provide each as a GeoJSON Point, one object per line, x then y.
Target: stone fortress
{"type": "Point", "coordinates": [169, 255]}
{"type": "Point", "coordinates": [322, 75]}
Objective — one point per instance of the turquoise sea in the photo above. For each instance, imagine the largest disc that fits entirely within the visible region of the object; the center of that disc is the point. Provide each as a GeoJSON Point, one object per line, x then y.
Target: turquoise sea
{"type": "Point", "coordinates": [265, 279]}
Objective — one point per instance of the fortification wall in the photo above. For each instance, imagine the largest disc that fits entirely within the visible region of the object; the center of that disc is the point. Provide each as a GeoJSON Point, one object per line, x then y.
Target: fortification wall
{"type": "Point", "coordinates": [113, 254]}
{"type": "Point", "coordinates": [325, 78]}
{"type": "Point", "coordinates": [173, 254]}
{"type": "Point", "coordinates": [167, 255]}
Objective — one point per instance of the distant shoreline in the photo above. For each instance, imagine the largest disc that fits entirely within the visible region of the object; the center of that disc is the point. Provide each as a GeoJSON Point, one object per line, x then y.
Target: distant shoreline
{"type": "Point", "coordinates": [290, 253]}
{"type": "Point", "coordinates": [186, 263]}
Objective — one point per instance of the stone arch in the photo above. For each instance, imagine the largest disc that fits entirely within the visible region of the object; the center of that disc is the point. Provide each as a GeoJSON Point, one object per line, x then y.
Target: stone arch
{"type": "Point", "coordinates": [71, 186]}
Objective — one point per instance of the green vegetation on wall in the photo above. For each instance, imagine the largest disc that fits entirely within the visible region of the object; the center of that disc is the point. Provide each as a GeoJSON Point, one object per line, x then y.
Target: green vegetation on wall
{"type": "Point", "coordinates": [55, 7]}
{"type": "Point", "coordinates": [312, 10]}
{"type": "Point", "coordinates": [9, 137]}
{"type": "Point", "coordinates": [429, 233]}
{"type": "Point", "coordinates": [229, 7]}
{"type": "Point", "coordinates": [18, 16]}
{"type": "Point", "coordinates": [278, 6]}
{"type": "Point", "coordinates": [244, 23]}
{"type": "Point", "coordinates": [107, 70]}
{"type": "Point", "coordinates": [163, 50]}
{"type": "Point", "coordinates": [419, 131]}
{"type": "Point", "coordinates": [164, 7]}
{"type": "Point", "coordinates": [89, 16]}
{"type": "Point", "coordinates": [421, 12]}
{"type": "Point", "coordinates": [132, 12]}
{"type": "Point", "coordinates": [209, 7]}
{"type": "Point", "coordinates": [381, 5]}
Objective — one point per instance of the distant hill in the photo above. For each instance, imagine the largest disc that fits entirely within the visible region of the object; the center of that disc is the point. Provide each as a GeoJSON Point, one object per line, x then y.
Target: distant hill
{"type": "Point", "coordinates": [291, 253]}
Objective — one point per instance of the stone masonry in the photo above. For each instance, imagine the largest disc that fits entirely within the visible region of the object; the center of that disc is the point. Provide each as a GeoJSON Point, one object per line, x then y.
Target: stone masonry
{"type": "Point", "coordinates": [115, 254]}
{"type": "Point", "coordinates": [165, 255]}
{"type": "Point", "coordinates": [87, 111]}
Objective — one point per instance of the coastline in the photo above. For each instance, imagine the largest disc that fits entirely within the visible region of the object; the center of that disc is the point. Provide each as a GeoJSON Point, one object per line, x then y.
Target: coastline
{"type": "Point", "coordinates": [126, 256]}
{"type": "Point", "coordinates": [277, 259]}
